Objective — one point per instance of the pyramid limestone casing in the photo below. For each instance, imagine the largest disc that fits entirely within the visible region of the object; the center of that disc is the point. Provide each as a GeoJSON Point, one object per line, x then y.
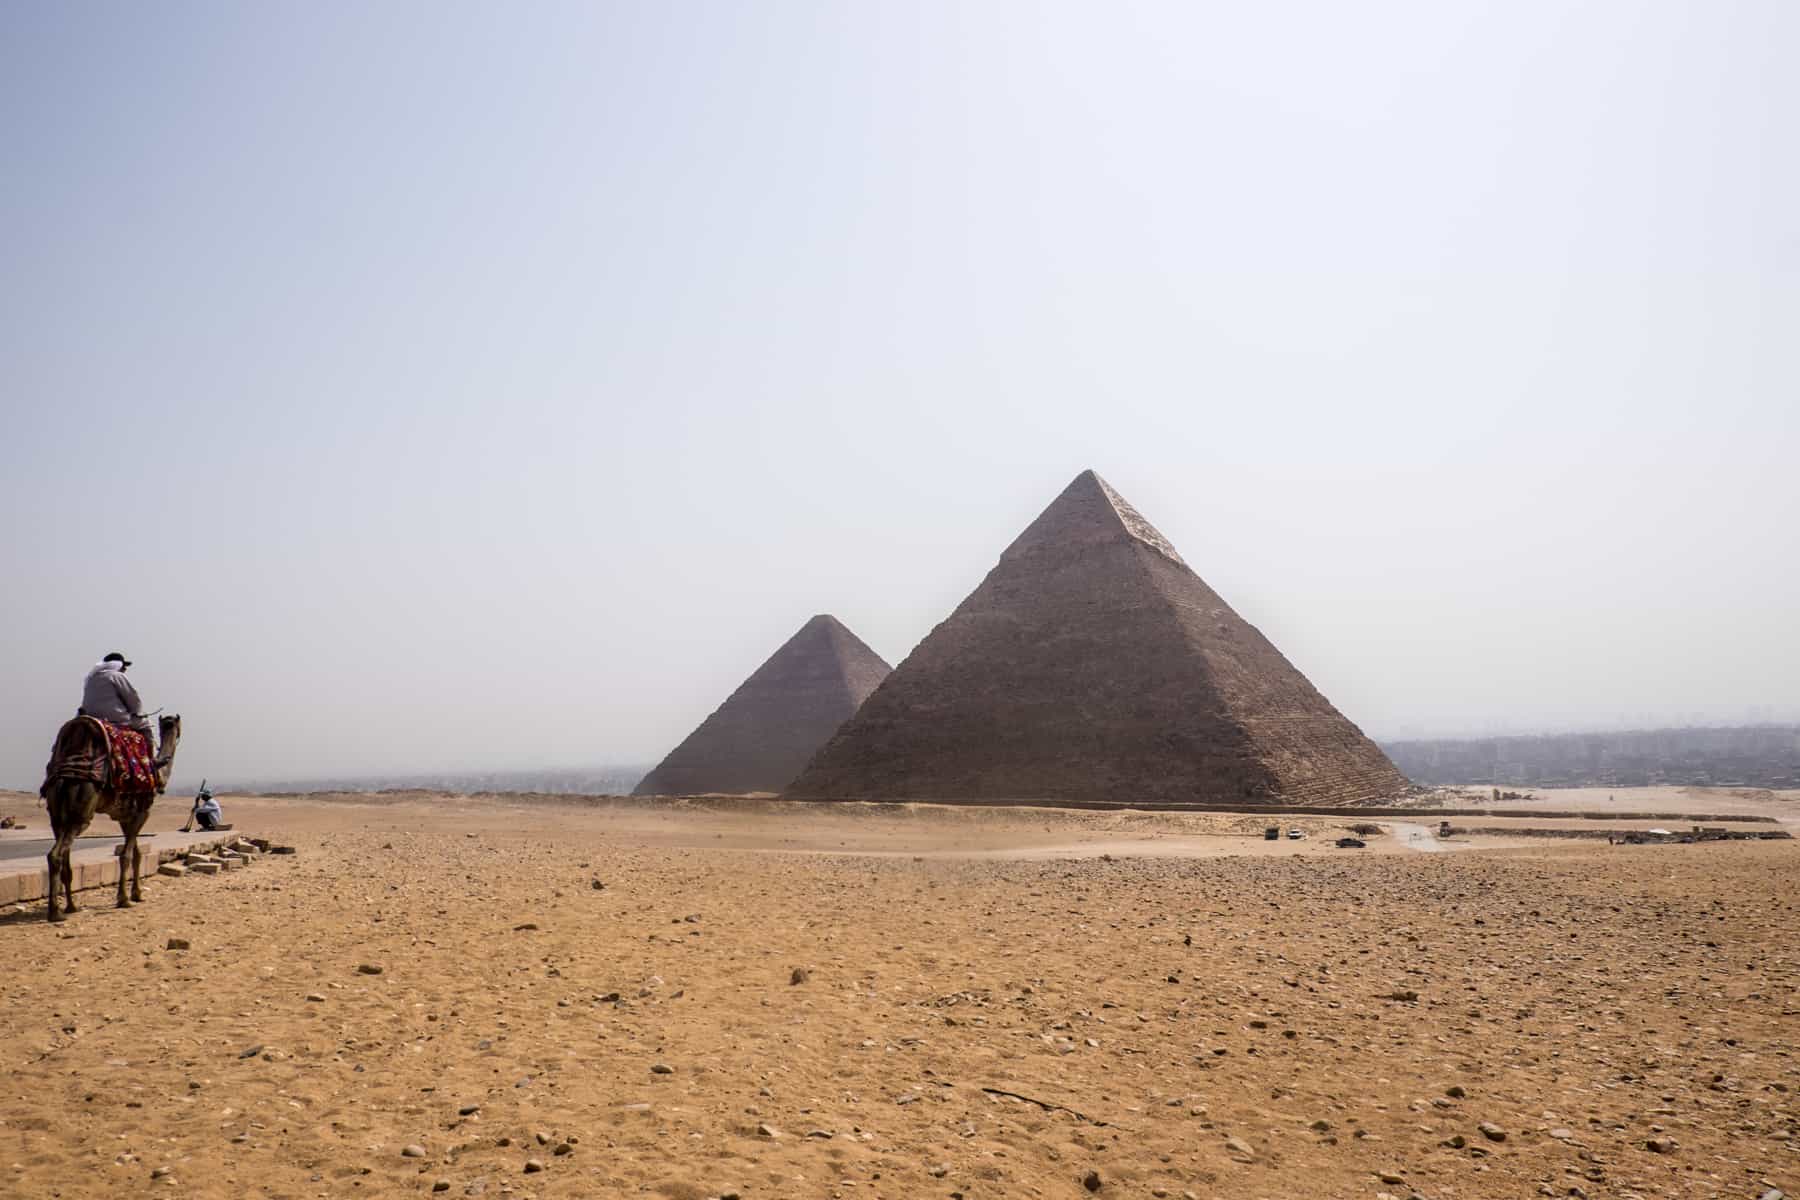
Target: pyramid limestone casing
{"type": "Point", "coordinates": [1093, 664]}
{"type": "Point", "coordinates": [762, 735]}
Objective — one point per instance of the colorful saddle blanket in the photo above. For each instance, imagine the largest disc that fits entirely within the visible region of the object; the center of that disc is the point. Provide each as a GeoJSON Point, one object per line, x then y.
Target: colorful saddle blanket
{"type": "Point", "coordinates": [124, 758]}
{"type": "Point", "coordinates": [133, 766]}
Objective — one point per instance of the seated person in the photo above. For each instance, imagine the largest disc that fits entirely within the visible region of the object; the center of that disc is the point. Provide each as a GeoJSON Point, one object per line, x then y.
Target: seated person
{"type": "Point", "coordinates": [206, 810]}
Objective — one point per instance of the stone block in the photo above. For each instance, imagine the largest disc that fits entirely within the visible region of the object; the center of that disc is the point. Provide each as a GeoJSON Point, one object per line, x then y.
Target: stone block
{"type": "Point", "coordinates": [205, 868]}
{"type": "Point", "coordinates": [172, 870]}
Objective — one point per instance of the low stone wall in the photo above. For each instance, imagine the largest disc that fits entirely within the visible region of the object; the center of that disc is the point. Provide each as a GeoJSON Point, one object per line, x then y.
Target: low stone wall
{"type": "Point", "coordinates": [26, 884]}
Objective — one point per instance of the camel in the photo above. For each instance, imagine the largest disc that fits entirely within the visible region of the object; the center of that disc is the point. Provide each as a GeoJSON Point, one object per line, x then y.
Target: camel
{"type": "Point", "coordinates": [73, 803]}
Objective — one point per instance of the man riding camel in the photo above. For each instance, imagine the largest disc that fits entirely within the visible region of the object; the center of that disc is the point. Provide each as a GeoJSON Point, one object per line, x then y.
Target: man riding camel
{"type": "Point", "coordinates": [107, 694]}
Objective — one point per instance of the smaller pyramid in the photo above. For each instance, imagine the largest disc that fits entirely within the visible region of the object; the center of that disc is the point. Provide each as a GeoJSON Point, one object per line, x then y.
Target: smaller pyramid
{"type": "Point", "coordinates": [767, 729]}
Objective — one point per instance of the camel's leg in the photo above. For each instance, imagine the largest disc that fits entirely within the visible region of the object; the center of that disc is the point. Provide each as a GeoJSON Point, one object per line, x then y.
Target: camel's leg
{"type": "Point", "coordinates": [54, 801]}
{"type": "Point", "coordinates": [68, 874]}
{"type": "Point", "coordinates": [55, 880]}
{"type": "Point", "coordinates": [71, 804]}
{"type": "Point", "coordinates": [80, 800]}
{"type": "Point", "coordinates": [125, 849]}
{"type": "Point", "coordinates": [137, 856]}
{"type": "Point", "coordinates": [65, 823]}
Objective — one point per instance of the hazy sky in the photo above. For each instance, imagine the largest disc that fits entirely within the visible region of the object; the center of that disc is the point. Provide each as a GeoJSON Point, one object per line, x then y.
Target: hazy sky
{"type": "Point", "coordinates": [411, 386]}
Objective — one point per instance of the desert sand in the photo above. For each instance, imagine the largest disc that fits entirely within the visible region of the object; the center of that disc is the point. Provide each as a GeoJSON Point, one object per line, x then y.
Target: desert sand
{"type": "Point", "coordinates": [707, 998]}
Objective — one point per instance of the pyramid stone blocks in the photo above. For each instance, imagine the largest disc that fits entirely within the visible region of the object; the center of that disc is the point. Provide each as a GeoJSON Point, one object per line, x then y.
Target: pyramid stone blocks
{"type": "Point", "coordinates": [1093, 664]}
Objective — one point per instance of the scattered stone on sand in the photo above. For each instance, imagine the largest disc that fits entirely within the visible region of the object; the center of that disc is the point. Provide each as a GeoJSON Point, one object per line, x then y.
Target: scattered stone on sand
{"type": "Point", "coordinates": [1092, 1182]}
{"type": "Point", "coordinates": [1009, 948]}
{"type": "Point", "coordinates": [177, 943]}
{"type": "Point", "coordinates": [413, 1151]}
{"type": "Point", "coordinates": [251, 1051]}
{"type": "Point", "coordinates": [661, 1069]}
{"type": "Point", "coordinates": [533, 1166]}
{"type": "Point", "coordinates": [369, 968]}
{"type": "Point", "coordinates": [1660, 1145]}
{"type": "Point", "coordinates": [1491, 1131]}
{"type": "Point", "coordinates": [799, 975]}
{"type": "Point", "coordinates": [468, 1110]}
{"type": "Point", "coordinates": [442, 1185]}
{"type": "Point", "coordinates": [768, 1131]}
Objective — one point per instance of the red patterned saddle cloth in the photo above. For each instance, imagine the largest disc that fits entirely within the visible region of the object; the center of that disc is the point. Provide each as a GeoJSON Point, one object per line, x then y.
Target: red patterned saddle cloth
{"type": "Point", "coordinates": [126, 761]}
{"type": "Point", "coordinates": [133, 767]}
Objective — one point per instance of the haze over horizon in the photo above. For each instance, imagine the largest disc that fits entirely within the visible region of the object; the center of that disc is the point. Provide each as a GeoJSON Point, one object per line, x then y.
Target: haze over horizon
{"type": "Point", "coordinates": [447, 387]}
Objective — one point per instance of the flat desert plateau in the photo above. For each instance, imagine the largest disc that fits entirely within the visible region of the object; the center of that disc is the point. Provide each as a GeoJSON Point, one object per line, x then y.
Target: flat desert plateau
{"type": "Point", "coordinates": [699, 999]}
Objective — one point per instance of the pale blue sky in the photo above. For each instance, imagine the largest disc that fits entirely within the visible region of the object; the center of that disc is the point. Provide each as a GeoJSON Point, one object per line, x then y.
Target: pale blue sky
{"type": "Point", "coordinates": [498, 385]}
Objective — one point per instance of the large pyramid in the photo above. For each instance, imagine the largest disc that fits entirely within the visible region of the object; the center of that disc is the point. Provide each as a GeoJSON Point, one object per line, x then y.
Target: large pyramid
{"type": "Point", "coordinates": [1092, 663]}
{"type": "Point", "coordinates": [762, 735]}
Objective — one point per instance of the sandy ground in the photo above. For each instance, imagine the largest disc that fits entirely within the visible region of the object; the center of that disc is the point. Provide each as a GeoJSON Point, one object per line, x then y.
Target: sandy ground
{"type": "Point", "coordinates": [1190, 1009]}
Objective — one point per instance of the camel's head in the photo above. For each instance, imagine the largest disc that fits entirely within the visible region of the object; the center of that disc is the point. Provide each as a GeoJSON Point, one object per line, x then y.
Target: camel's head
{"type": "Point", "coordinates": [169, 726]}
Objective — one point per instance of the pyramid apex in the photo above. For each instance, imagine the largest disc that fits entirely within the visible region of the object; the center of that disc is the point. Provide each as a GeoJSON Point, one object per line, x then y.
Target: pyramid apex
{"type": "Point", "coordinates": [1091, 504]}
